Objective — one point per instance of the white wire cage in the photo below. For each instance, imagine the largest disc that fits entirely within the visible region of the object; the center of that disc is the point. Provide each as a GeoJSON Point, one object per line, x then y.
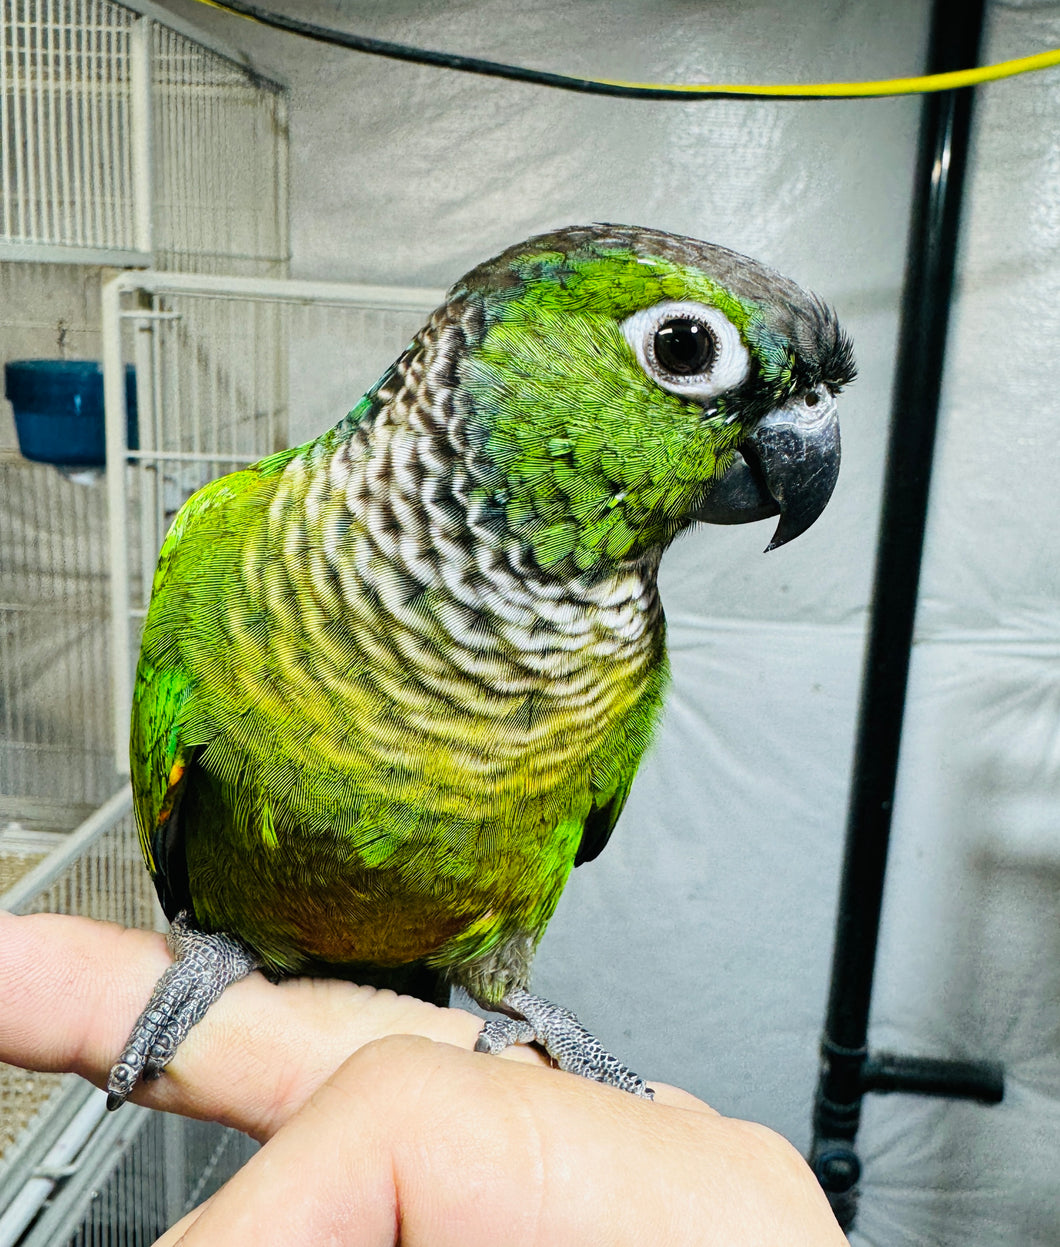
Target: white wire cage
{"type": "Point", "coordinates": [56, 757]}
{"type": "Point", "coordinates": [127, 139]}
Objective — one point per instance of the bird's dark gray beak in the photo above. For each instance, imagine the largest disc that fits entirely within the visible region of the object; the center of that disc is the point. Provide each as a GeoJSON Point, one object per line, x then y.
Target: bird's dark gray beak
{"type": "Point", "coordinates": [787, 466]}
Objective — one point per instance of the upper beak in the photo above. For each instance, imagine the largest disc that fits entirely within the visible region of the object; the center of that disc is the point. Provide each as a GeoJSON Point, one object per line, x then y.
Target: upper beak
{"type": "Point", "coordinates": [787, 466]}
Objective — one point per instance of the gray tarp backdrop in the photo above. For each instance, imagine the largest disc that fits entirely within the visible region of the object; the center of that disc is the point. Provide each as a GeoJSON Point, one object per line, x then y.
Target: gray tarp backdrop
{"type": "Point", "coordinates": [698, 945]}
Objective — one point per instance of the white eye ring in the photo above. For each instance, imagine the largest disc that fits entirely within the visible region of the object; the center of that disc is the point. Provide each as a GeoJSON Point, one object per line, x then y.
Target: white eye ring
{"type": "Point", "coordinates": [728, 368]}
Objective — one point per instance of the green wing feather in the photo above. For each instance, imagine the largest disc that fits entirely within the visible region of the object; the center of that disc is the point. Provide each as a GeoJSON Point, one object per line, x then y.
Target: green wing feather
{"type": "Point", "coordinates": [162, 758]}
{"type": "Point", "coordinates": [601, 819]}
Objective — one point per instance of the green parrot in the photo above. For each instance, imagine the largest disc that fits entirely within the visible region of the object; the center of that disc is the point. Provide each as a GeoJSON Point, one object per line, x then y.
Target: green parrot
{"type": "Point", "coordinates": [396, 682]}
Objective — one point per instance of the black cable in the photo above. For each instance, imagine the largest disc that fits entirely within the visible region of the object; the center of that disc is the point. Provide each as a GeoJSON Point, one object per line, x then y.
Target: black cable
{"type": "Point", "coordinates": [451, 60]}
{"type": "Point", "coordinates": [919, 85]}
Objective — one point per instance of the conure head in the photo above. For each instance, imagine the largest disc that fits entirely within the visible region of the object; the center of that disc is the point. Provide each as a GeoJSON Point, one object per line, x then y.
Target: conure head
{"type": "Point", "coordinates": [624, 383]}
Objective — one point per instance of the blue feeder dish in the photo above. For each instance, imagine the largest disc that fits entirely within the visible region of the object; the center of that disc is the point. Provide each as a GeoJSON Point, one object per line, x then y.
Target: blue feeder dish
{"type": "Point", "coordinates": [59, 410]}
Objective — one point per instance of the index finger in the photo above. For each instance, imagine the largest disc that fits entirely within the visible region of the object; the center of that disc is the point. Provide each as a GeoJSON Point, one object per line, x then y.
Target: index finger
{"type": "Point", "coordinates": [72, 987]}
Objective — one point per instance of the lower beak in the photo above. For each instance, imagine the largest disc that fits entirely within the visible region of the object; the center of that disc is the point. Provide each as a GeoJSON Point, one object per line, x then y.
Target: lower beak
{"type": "Point", "coordinates": [786, 466]}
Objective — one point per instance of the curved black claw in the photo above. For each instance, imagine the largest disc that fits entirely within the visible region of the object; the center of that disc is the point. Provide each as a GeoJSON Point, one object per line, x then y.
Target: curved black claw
{"type": "Point", "coordinates": [535, 1020]}
{"type": "Point", "coordinates": [205, 965]}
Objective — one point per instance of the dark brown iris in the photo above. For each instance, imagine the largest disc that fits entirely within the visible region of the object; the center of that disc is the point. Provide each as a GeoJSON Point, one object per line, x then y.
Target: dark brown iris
{"type": "Point", "coordinates": [684, 347]}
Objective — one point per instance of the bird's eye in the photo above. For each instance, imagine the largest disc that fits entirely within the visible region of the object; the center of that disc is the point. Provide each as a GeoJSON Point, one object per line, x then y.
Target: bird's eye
{"type": "Point", "coordinates": [688, 348]}
{"type": "Point", "coordinates": [684, 346]}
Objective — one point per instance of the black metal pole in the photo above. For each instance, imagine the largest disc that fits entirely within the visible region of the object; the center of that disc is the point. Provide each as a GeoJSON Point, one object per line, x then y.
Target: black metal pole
{"type": "Point", "coordinates": [847, 1070]}
{"type": "Point", "coordinates": [921, 354]}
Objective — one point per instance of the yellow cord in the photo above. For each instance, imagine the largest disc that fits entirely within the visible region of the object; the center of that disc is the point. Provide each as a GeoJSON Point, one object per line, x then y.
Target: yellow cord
{"type": "Point", "coordinates": [922, 85]}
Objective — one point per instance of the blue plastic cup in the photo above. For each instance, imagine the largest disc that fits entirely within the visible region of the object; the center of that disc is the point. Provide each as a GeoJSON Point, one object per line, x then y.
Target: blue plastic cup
{"type": "Point", "coordinates": [59, 410]}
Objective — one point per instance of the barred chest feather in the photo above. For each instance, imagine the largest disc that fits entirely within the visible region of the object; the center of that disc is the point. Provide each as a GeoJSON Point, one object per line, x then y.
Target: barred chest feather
{"type": "Point", "coordinates": [440, 644]}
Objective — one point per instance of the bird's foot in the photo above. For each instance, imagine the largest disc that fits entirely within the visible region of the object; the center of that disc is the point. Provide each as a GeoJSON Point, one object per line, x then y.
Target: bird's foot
{"type": "Point", "coordinates": [205, 965]}
{"type": "Point", "coordinates": [534, 1020]}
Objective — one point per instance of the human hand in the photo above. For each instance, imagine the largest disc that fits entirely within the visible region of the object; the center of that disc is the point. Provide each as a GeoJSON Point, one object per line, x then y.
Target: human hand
{"type": "Point", "coordinates": [380, 1125]}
